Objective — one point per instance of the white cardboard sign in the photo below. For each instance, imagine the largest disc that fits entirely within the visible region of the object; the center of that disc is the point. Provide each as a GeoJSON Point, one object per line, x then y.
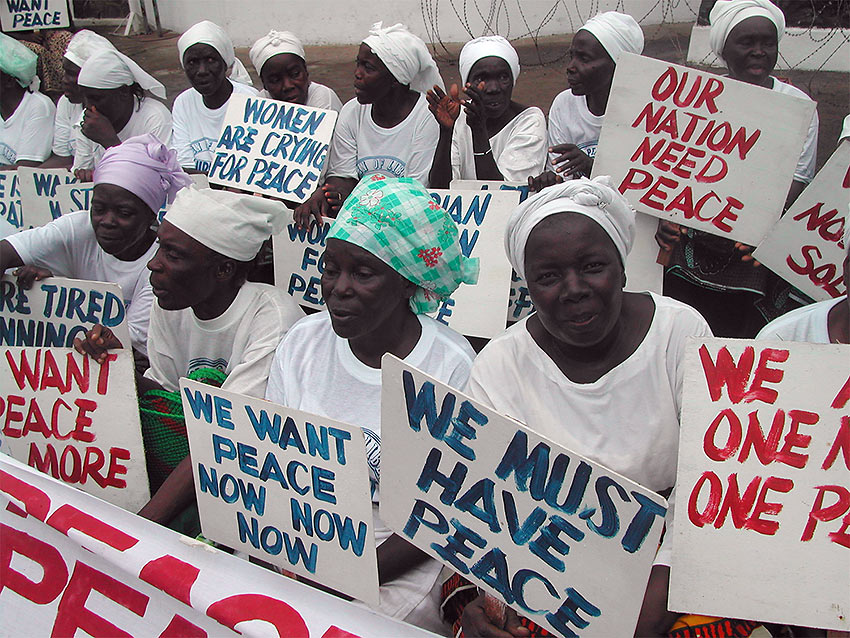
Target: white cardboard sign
{"type": "Point", "coordinates": [73, 197]}
{"type": "Point", "coordinates": [298, 261]}
{"type": "Point", "coordinates": [763, 487]}
{"type": "Point", "coordinates": [24, 15]}
{"type": "Point", "coordinates": [39, 199]}
{"type": "Point", "coordinates": [75, 565]}
{"type": "Point", "coordinates": [687, 146]}
{"type": "Point", "coordinates": [272, 147]}
{"type": "Point", "coordinates": [70, 417]}
{"type": "Point", "coordinates": [56, 310]}
{"type": "Point", "coordinates": [11, 214]}
{"type": "Point", "coordinates": [559, 538]}
{"type": "Point", "coordinates": [288, 487]}
{"type": "Point", "coordinates": [806, 247]}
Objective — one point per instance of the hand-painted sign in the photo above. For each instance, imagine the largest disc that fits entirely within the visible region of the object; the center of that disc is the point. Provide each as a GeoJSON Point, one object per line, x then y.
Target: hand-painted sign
{"type": "Point", "coordinates": [25, 15]}
{"type": "Point", "coordinates": [39, 198]}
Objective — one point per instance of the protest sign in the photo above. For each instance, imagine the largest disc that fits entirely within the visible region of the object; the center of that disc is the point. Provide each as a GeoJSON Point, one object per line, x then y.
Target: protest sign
{"type": "Point", "coordinates": [39, 200]}
{"type": "Point", "coordinates": [299, 261]}
{"type": "Point", "coordinates": [806, 247]}
{"type": "Point", "coordinates": [56, 310]}
{"type": "Point", "coordinates": [272, 147]}
{"type": "Point", "coordinates": [687, 146]}
{"type": "Point", "coordinates": [73, 197]}
{"type": "Point", "coordinates": [11, 216]}
{"type": "Point", "coordinates": [288, 487]}
{"type": "Point", "coordinates": [559, 538]}
{"type": "Point", "coordinates": [491, 185]}
{"type": "Point", "coordinates": [77, 420]}
{"type": "Point", "coordinates": [73, 564]}
{"type": "Point", "coordinates": [24, 15]}
{"type": "Point", "coordinates": [763, 486]}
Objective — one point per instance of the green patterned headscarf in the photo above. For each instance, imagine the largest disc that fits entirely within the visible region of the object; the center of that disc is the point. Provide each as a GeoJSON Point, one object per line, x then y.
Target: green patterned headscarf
{"type": "Point", "coordinates": [398, 222]}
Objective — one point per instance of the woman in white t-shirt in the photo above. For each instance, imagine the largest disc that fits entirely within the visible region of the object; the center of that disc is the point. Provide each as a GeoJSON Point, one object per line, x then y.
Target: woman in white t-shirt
{"type": "Point", "coordinates": [596, 369]}
{"type": "Point", "coordinates": [386, 129]}
{"type": "Point", "coordinates": [113, 241]}
{"type": "Point", "coordinates": [491, 137]}
{"type": "Point", "coordinates": [330, 363]}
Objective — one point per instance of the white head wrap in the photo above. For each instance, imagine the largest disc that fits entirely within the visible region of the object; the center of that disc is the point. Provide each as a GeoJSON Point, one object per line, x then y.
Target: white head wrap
{"type": "Point", "coordinates": [206, 32]}
{"type": "Point", "coordinates": [85, 44]}
{"type": "Point", "coordinates": [485, 47]}
{"type": "Point", "coordinates": [272, 44]}
{"type": "Point", "coordinates": [405, 55]}
{"type": "Point", "coordinates": [727, 14]}
{"type": "Point", "coordinates": [617, 33]}
{"type": "Point", "coordinates": [229, 223]}
{"type": "Point", "coordinates": [596, 198]}
{"type": "Point", "coordinates": [19, 62]}
{"type": "Point", "coordinates": [110, 69]}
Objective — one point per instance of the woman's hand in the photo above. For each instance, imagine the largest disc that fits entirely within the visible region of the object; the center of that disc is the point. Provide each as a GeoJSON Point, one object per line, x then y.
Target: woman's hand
{"type": "Point", "coordinates": [98, 340]}
{"type": "Point", "coordinates": [28, 275]}
{"type": "Point", "coordinates": [477, 622]}
{"type": "Point", "coordinates": [445, 106]}
{"type": "Point", "coordinates": [98, 128]}
{"type": "Point", "coordinates": [544, 180]}
{"type": "Point", "coordinates": [746, 253]}
{"type": "Point", "coordinates": [668, 234]}
{"type": "Point", "coordinates": [571, 160]}
{"type": "Point", "coordinates": [474, 107]}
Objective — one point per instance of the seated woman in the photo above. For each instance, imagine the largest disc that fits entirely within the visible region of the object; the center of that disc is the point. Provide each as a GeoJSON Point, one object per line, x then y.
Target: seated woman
{"type": "Point", "coordinates": [26, 116]}
{"type": "Point", "coordinates": [717, 276]}
{"type": "Point", "coordinates": [596, 369]}
{"type": "Point", "coordinates": [114, 241]}
{"type": "Point", "coordinates": [387, 129]}
{"type": "Point", "coordinates": [329, 363]}
{"type": "Point", "coordinates": [116, 108]}
{"type": "Point", "coordinates": [281, 64]}
{"type": "Point", "coordinates": [575, 118]}
{"type": "Point", "coordinates": [69, 108]}
{"type": "Point", "coordinates": [492, 137]}
{"type": "Point", "coordinates": [215, 73]}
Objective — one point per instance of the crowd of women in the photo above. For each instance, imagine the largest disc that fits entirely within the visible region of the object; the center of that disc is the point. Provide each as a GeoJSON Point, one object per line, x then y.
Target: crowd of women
{"type": "Point", "coordinates": [608, 363]}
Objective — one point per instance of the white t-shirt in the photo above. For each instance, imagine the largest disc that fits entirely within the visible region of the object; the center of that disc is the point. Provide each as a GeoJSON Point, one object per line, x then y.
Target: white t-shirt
{"type": "Point", "coordinates": [66, 126]}
{"type": "Point", "coordinates": [809, 324]}
{"type": "Point", "coordinates": [241, 341]}
{"type": "Point", "coordinates": [67, 247]}
{"type": "Point", "coordinates": [361, 147]}
{"type": "Point", "coordinates": [197, 128]}
{"type": "Point", "coordinates": [571, 122]}
{"type": "Point", "coordinates": [314, 370]}
{"type": "Point", "coordinates": [805, 170]}
{"type": "Point", "coordinates": [28, 133]}
{"type": "Point", "coordinates": [319, 96]}
{"type": "Point", "coordinates": [151, 116]}
{"type": "Point", "coordinates": [519, 148]}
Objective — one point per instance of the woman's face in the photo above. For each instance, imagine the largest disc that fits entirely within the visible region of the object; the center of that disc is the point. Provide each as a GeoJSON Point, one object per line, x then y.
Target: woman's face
{"type": "Point", "coordinates": [205, 68]}
{"type": "Point", "coordinates": [285, 77]}
{"type": "Point", "coordinates": [575, 279]}
{"type": "Point", "coordinates": [120, 220]}
{"type": "Point", "coordinates": [70, 73]}
{"type": "Point", "coordinates": [590, 68]}
{"type": "Point", "coordinates": [751, 50]}
{"type": "Point", "coordinates": [498, 81]}
{"type": "Point", "coordinates": [116, 105]}
{"type": "Point", "coordinates": [372, 79]}
{"type": "Point", "coordinates": [361, 292]}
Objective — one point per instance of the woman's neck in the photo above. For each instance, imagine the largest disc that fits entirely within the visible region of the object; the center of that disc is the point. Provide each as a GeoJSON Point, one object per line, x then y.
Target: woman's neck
{"type": "Point", "coordinates": [597, 102]}
{"type": "Point", "coordinates": [222, 94]}
{"type": "Point", "coordinates": [398, 335]}
{"type": "Point", "coordinates": [394, 108]}
{"type": "Point", "coordinates": [11, 99]}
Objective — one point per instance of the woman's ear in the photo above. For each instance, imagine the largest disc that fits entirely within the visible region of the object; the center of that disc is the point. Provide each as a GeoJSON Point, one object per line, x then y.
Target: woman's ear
{"type": "Point", "coordinates": [225, 269]}
{"type": "Point", "coordinates": [409, 288]}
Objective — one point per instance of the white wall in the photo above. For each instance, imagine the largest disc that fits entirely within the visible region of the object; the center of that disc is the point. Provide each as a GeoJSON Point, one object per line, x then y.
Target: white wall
{"type": "Point", "coordinates": [348, 21]}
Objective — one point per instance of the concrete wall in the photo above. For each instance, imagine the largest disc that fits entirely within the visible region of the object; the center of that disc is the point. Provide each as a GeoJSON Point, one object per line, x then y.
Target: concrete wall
{"type": "Point", "coordinates": [348, 21]}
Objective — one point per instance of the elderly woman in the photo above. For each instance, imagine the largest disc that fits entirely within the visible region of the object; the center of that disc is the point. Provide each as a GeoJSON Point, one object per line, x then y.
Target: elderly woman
{"type": "Point", "coordinates": [26, 116]}
{"type": "Point", "coordinates": [492, 137]}
{"type": "Point", "coordinates": [596, 369]}
{"type": "Point", "coordinates": [281, 63]}
{"type": "Point", "coordinates": [114, 241]}
{"type": "Point", "coordinates": [215, 73]}
{"type": "Point", "coordinates": [116, 108]}
{"type": "Point", "coordinates": [575, 118]}
{"type": "Point", "coordinates": [387, 129]}
{"type": "Point", "coordinates": [715, 275]}
{"type": "Point", "coordinates": [381, 274]}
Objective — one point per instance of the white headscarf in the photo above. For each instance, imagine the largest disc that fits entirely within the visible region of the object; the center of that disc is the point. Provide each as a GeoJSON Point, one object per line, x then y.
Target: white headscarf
{"type": "Point", "coordinates": [19, 62]}
{"type": "Point", "coordinates": [617, 33]}
{"type": "Point", "coordinates": [206, 32]}
{"type": "Point", "coordinates": [485, 47]}
{"type": "Point", "coordinates": [111, 69]}
{"type": "Point", "coordinates": [405, 55]}
{"type": "Point", "coordinates": [85, 44]}
{"type": "Point", "coordinates": [272, 44]}
{"type": "Point", "coordinates": [726, 14]}
{"type": "Point", "coordinates": [231, 224]}
{"type": "Point", "coordinates": [597, 198]}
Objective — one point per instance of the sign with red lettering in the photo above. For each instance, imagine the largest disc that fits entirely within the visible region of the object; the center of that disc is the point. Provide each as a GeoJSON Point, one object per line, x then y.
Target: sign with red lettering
{"type": "Point", "coordinates": [806, 247]}
{"type": "Point", "coordinates": [762, 527]}
{"type": "Point", "coordinates": [72, 564]}
{"type": "Point", "coordinates": [688, 146]}
{"type": "Point", "coordinates": [68, 416]}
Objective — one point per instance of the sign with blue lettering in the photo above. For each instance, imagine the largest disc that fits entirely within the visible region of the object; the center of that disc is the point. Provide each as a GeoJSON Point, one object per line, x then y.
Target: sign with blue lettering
{"type": "Point", "coordinates": [24, 15]}
{"type": "Point", "coordinates": [285, 486]}
{"type": "Point", "coordinates": [39, 198]}
{"type": "Point", "coordinates": [74, 196]}
{"type": "Point", "coordinates": [556, 536]}
{"type": "Point", "coordinates": [298, 261]}
{"type": "Point", "coordinates": [11, 215]}
{"type": "Point", "coordinates": [272, 147]}
{"type": "Point", "coordinates": [56, 310]}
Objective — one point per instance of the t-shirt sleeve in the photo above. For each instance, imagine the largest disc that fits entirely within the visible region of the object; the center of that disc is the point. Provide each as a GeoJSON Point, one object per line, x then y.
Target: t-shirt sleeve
{"type": "Point", "coordinates": [158, 122]}
{"type": "Point", "coordinates": [63, 133]}
{"type": "Point", "coordinates": [525, 153]}
{"type": "Point", "coordinates": [85, 151]}
{"type": "Point", "coordinates": [163, 367]}
{"type": "Point", "coordinates": [424, 144]}
{"type": "Point", "coordinates": [50, 246]}
{"type": "Point", "coordinates": [36, 138]}
{"type": "Point", "coordinates": [688, 323]}
{"type": "Point", "coordinates": [180, 138]}
{"type": "Point", "coordinates": [276, 387]}
{"type": "Point", "coordinates": [805, 170]}
{"type": "Point", "coordinates": [139, 314]}
{"type": "Point", "coordinates": [343, 154]}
